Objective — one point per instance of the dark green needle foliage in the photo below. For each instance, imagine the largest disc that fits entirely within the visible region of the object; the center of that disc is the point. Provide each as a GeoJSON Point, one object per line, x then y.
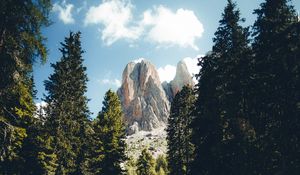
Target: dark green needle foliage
{"type": "Point", "coordinates": [275, 93]}
{"type": "Point", "coordinates": [67, 110]}
{"type": "Point", "coordinates": [222, 134]}
{"type": "Point", "coordinates": [108, 149]}
{"type": "Point", "coordinates": [161, 165]}
{"type": "Point", "coordinates": [145, 163]}
{"type": "Point", "coordinates": [21, 44]}
{"type": "Point", "coordinates": [180, 148]}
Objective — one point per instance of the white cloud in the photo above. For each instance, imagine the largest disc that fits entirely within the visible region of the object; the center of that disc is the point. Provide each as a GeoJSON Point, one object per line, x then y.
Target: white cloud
{"type": "Point", "coordinates": [138, 60]}
{"type": "Point", "coordinates": [41, 104]}
{"type": "Point", "coordinates": [114, 82]}
{"type": "Point", "coordinates": [181, 28]}
{"type": "Point", "coordinates": [64, 10]}
{"type": "Point", "coordinates": [166, 73]}
{"type": "Point", "coordinates": [159, 25]}
{"type": "Point", "coordinates": [192, 66]}
{"type": "Point", "coordinates": [115, 16]}
{"type": "Point", "coordinates": [40, 109]}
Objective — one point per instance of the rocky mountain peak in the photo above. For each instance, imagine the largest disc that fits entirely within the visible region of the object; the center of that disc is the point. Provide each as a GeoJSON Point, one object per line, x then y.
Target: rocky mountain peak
{"type": "Point", "coordinates": [145, 100]}
{"type": "Point", "coordinates": [182, 77]}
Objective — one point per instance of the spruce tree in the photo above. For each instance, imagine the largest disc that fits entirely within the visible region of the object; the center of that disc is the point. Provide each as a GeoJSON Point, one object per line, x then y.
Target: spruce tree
{"type": "Point", "coordinates": [67, 111]}
{"type": "Point", "coordinates": [38, 152]}
{"type": "Point", "coordinates": [21, 43]}
{"type": "Point", "coordinates": [161, 165]}
{"type": "Point", "coordinates": [222, 133]}
{"type": "Point", "coordinates": [109, 137]}
{"type": "Point", "coordinates": [273, 106]}
{"type": "Point", "coordinates": [180, 148]}
{"type": "Point", "coordinates": [289, 137]}
{"type": "Point", "coordinates": [145, 163]}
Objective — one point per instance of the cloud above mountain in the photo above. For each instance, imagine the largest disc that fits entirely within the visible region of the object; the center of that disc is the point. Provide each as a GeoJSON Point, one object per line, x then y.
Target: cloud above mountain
{"type": "Point", "coordinates": [169, 28]}
{"type": "Point", "coordinates": [158, 25]}
{"type": "Point", "coordinates": [111, 82]}
{"type": "Point", "coordinates": [114, 18]}
{"type": "Point", "coordinates": [168, 72]}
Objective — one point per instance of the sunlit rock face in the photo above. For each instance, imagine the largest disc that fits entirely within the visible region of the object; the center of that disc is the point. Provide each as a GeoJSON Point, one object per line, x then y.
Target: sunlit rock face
{"type": "Point", "coordinates": [145, 100]}
{"type": "Point", "coordinates": [182, 77]}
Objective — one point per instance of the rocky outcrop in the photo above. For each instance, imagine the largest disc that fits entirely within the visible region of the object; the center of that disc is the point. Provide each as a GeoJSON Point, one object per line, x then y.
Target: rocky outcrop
{"type": "Point", "coordinates": [182, 77]}
{"type": "Point", "coordinates": [143, 99]}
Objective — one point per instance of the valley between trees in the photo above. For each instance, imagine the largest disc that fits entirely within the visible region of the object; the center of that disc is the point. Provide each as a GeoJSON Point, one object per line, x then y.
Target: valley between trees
{"type": "Point", "coordinates": [242, 116]}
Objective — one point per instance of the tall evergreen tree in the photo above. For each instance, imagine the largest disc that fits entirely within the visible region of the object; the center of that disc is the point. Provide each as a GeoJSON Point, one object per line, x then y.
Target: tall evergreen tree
{"type": "Point", "coordinates": [180, 149]}
{"type": "Point", "coordinates": [21, 43]}
{"type": "Point", "coordinates": [67, 110]}
{"type": "Point", "coordinates": [109, 137]}
{"type": "Point", "coordinates": [145, 163]}
{"type": "Point", "coordinates": [290, 129]}
{"type": "Point", "coordinates": [222, 133]}
{"type": "Point", "coordinates": [273, 106]}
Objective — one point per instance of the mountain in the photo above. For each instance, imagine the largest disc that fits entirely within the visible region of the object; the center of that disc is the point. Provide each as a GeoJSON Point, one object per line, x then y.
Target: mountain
{"type": "Point", "coordinates": [145, 100]}
{"type": "Point", "coordinates": [182, 77]}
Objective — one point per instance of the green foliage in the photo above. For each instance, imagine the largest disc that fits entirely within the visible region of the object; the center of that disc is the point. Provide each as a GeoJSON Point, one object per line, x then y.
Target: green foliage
{"type": "Point", "coordinates": [161, 165]}
{"type": "Point", "coordinates": [222, 132]}
{"type": "Point", "coordinates": [109, 137]}
{"type": "Point", "coordinates": [145, 164]}
{"type": "Point", "coordinates": [67, 112]}
{"type": "Point", "coordinates": [130, 166]}
{"type": "Point", "coordinates": [180, 148]}
{"type": "Point", "coordinates": [20, 43]}
{"type": "Point", "coordinates": [274, 105]}
{"type": "Point", "coordinates": [246, 104]}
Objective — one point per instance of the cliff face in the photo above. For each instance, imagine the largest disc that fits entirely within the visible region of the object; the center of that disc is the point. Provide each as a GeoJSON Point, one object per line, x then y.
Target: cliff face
{"type": "Point", "coordinates": [182, 77]}
{"type": "Point", "coordinates": [145, 100]}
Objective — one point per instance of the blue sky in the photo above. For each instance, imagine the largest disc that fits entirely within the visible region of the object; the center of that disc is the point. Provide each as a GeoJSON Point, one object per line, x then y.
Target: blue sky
{"type": "Point", "coordinates": [119, 31]}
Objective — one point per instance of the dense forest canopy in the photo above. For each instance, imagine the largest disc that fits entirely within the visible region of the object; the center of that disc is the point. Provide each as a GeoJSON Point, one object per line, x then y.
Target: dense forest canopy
{"type": "Point", "coordinates": [241, 117]}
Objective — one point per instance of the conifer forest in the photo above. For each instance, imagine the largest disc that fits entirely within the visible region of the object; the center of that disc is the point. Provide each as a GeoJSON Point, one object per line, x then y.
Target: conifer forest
{"type": "Point", "coordinates": [242, 116]}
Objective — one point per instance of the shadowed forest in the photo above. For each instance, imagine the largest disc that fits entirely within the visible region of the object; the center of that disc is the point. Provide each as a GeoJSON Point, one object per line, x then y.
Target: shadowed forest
{"type": "Point", "coordinates": [241, 118]}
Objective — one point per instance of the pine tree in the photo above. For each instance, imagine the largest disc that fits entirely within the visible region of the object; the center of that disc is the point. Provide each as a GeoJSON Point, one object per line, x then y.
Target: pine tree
{"type": "Point", "coordinates": [67, 110]}
{"type": "Point", "coordinates": [289, 137]}
{"type": "Point", "coordinates": [161, 165]}
{"type": "Point", "coordinates": [38, 152]}
{"type": "Point", "coordinates": [109, 137]}
{"type": "Point", "coordinates": [273, 106]}
{"type": "Point", "coordinates": [145, 164]}
{"type": "Point", "coordinates": [222, 133]}
{"type": "Point", "coordinates": [21, 43]}
{"type": "Point", "coordinates": [180, 149]}
{"type": "Point", "coordinates": [130, 166]}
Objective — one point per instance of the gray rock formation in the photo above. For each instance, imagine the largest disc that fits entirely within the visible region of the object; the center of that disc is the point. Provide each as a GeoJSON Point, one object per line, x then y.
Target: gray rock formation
{"type": "Point", "coordinates": [143, 99]}
{"type": "Point", "coordinates": [182, 77]}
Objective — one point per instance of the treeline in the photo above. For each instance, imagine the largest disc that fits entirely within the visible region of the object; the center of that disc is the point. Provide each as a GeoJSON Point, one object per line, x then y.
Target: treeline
{"type": "Point", "coordinates": [61, 138]}
{"type": "Point", "coordinates": [243, 116]}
